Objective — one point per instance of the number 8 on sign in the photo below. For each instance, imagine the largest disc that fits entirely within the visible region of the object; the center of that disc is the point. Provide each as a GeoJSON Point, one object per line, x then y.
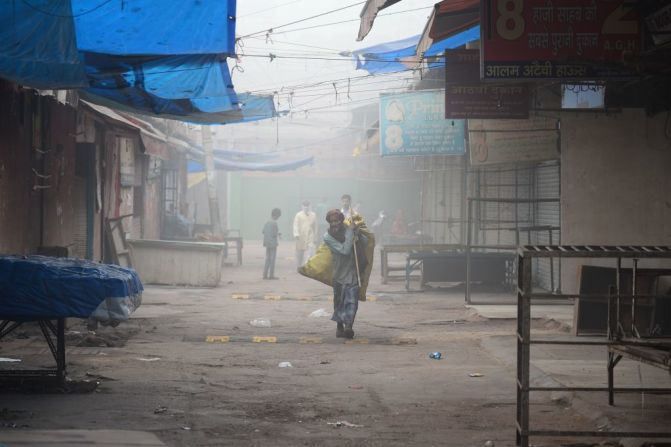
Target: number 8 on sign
{"type": "Point", "coordinates": [510, 24]}
{"type": "Point", "coordinates": [394, 138]}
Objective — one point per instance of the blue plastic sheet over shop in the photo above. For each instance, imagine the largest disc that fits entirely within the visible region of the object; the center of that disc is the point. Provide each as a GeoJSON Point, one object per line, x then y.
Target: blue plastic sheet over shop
{"type": "Point", "coordinates": [414, 124]}
{"type": "Point", "coordinates": [401, 55]}
{"type": "Point", "coordinates": [166, 58]}
{"type": "Point", "coordinates": [160, 27]}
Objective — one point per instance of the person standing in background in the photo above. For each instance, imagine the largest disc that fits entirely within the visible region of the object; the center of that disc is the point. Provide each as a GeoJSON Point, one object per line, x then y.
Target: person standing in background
{"type": "Point", "coordinates": [305, 232]}
{"type": "Point", "coordinates": [346, 202]}
{"type": "Point", "coordinates": [271, 237]}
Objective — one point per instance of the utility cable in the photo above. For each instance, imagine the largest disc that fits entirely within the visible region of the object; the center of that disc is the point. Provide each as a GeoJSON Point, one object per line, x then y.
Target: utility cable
{"type": "Point", "coordinates": [268, 9]}
{"type": "Point", "coordinates": [272, 29]}
{"type": "Point", "coordinates": [342, 21]}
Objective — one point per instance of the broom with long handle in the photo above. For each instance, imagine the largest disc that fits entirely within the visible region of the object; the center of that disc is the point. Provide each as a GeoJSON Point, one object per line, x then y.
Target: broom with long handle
{"type": "Point", "coordinates": [356, 259]}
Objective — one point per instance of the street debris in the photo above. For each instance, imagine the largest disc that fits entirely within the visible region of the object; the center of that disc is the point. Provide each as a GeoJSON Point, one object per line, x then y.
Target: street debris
{"type": "Point", "coordinates": [319, 313]}
{"type": "Point", "coordinates": [7, 359]}
{"type": "Point", "coordinates": [285, 365]}
{"type": "Point", "coordinates": [260, 322]}
{"type": "Point", "coordinates": [436, 355]}
{"type": "Point", "coordinates": [475, 375]}
{"type": "Point", "coordinates": [160, 410]}
{"type": "Point", "coordinates": [149, 359]}
{"type": "Point", "coordinates": [324, 362]}
{"type": "Point", "coordinates": [356, 387]}
{"type": "Point", "coordinates": [98, 376]}
{"type": "Point", "coordinates": [339, 424]}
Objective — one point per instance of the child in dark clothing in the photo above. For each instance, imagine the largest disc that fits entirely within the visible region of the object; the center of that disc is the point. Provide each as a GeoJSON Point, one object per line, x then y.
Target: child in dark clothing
{"type": "Point", "coordinates": [270, 241]}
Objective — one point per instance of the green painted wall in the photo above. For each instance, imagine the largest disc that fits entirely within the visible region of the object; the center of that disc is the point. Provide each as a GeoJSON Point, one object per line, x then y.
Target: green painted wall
{"type": "Point", "coordinates": [252, 198]}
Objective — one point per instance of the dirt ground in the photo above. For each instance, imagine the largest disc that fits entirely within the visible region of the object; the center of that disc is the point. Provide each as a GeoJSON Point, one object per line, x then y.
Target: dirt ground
{"type": "Point", "coordinates": [191, 369]}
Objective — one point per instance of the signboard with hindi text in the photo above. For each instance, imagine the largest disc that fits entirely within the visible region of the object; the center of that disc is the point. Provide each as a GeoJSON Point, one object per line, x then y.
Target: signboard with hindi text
{"type": "Point", "coordinates": [512, 141]}
{"type": "Point", "coordinates": [558, 39]}
{"type": "Point", "coordinates": [467, 97]}
{"type": "Point", "coordinates": [414, 123]}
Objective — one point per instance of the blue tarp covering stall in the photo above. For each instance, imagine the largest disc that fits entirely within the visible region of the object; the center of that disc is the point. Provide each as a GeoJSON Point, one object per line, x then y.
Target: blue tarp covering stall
{"type": "Point", "coordinates": [389, 57]}
{"type": "Point", "coordinates": [40, 287]}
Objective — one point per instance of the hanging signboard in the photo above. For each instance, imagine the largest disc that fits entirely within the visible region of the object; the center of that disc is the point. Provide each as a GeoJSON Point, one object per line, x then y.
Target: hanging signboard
{"type": "Point", "coordinates": [558, 39]}
{"type": "Point", "coordinates": [659, 25]}
{"type": "Point", "coordinates": [512, 141]}
{"type": "Point", "coordinates": [414, 124]}
{"type": "Point", "coordinates": [467, 97]}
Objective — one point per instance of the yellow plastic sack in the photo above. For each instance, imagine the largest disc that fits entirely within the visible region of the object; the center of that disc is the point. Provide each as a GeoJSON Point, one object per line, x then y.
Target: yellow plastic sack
{"type": "Point", "coordinates": [320, 268]}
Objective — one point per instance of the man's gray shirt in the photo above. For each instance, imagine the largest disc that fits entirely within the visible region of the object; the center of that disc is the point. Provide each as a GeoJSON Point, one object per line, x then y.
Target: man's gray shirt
{"type": "Point", "coordinates": [344, 267]}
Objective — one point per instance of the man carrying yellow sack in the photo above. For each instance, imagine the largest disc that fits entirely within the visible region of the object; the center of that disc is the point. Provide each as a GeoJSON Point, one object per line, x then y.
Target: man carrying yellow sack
{"type": "Point", "coordinates": [340, 239]}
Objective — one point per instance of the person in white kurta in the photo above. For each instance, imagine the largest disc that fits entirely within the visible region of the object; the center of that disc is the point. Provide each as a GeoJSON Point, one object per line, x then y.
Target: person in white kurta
{"type": "Point", "coordinates": [305, 233]}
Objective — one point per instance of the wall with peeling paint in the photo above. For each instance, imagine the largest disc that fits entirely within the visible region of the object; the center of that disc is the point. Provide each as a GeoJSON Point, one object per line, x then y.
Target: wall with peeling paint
{"type": "Point", "coordinates": [19, 203]}
{"type": "Point", "coordinates": [59, 164]}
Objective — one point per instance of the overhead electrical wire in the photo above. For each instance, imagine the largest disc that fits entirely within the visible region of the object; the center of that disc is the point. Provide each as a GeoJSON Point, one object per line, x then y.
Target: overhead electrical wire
{"type": "Point", "coordinates": [330, 81]}
{"type": "Point", "coordinates": [297, 44]}
{"type": "Point", "coordinates": [260, 11]}
{"type": "Point", "coordinates": [346, 21]}
{"type": "Point", "coordinates": [272, 29]}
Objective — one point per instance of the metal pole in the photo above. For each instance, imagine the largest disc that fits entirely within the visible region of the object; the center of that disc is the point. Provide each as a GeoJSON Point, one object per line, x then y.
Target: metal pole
{"type": "Point", "coordinates": [215, 219]}
{"type": "Point", "coordinates": [634, 290]}
{"type": "Point", "coordinates": [523, 348]}
{"type": "Point", "coordinates": [60, 348]}
{"type": "Point", "coordinates": [618, 284]}
{"type": "Point", "coordinates": [468, 251]}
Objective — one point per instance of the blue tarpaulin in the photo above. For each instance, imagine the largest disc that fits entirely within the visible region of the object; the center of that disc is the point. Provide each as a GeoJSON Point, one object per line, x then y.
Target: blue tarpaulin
{"type": "Point", "coordinates": [161, 27]}
{"type": "Point", "coordinates": [39, 48]}
{"type": "Point", "coordinates": [165, 58]}
{"type": "Point", "coordinates": [390, 56]}
{"type": "Point", "coordinates": [41, 41]}
{"type": "Point", "coordinates": [195, 88]}
{"type": "Point", "coordinates": [170, 77]}
{"type": "Point", "coordinates": [39, 287]}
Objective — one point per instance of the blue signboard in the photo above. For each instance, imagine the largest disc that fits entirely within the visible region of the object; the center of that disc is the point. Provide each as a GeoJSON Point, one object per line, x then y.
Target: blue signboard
{"type": "Point", "coordinates": [414, 124]}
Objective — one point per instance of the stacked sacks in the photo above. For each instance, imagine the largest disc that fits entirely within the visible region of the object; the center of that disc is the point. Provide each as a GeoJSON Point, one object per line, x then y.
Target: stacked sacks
{"type": "Point", "coordinates": [320, 268]}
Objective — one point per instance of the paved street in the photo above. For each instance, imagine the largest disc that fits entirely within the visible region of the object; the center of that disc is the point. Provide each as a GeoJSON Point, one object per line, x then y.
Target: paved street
{"type": "Point", "coordinates": [191, 370]}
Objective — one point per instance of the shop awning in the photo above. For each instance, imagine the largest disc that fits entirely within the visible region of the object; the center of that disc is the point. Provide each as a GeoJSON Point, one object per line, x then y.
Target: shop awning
{"type": "Point", "coordinates": [228, 164]}
{"type": "Point", "coordinates": [448, 18]}
{"type": "Point", "coordinates": [250, 108]}
{"type": "Point", "coordinates": [368, 14]}
{"type": "Point", "coordinates": [153, 140]}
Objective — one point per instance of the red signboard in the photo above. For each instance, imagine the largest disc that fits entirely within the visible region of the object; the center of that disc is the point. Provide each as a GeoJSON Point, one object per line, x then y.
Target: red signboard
{"type": "Point", "coordinates": [546, 39]}
{"type": "Point", "coordinates": [467, 97]}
